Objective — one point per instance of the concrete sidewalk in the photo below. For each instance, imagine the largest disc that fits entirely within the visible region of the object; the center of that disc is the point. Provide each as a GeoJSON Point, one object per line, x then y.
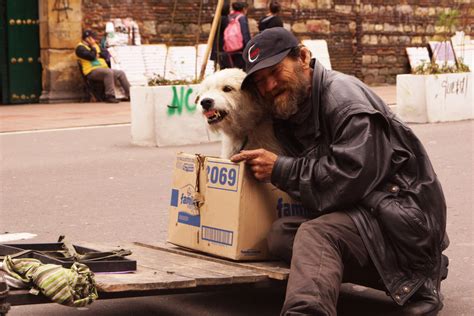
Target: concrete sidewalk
{"type": "Point", "coordinates": [14, 118]}
{"type": "Point", "coordinates": [27, 117]}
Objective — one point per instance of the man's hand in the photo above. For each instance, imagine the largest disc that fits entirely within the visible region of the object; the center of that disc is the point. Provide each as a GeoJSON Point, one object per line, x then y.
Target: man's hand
{"type": "Point", "coordinates": [261, 162]}
{"type": "Point", "coordinates": [90, 41]}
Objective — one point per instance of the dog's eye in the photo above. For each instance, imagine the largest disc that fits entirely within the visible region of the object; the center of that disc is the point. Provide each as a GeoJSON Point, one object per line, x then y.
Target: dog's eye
{"type": "Point", "coordinates": [227, 89]}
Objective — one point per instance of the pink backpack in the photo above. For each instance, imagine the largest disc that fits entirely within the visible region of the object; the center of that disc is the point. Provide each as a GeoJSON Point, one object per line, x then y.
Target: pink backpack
{"type": "Point", "coordinates": [233, 39]}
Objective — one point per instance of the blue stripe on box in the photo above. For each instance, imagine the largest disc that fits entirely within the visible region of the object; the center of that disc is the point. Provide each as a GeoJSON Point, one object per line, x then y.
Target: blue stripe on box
{"type": "Point", "coordinates": [174, 197]}
{"type": "Point", "coordinates": [189, 219]}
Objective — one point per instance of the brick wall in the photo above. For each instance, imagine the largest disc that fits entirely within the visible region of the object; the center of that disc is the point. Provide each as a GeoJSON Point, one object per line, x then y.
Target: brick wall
{"type": "Point", "coordinates": [365, 38]}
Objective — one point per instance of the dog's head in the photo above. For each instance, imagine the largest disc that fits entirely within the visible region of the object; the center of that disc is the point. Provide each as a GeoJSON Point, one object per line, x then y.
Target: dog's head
{"type": "Point", "coordinates": [225, 106]}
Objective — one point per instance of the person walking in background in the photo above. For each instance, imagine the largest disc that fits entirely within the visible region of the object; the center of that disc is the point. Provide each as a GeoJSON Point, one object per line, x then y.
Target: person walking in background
{"type": "Point", "coordinates": [217, 54]}
{"type": "Point", "coordinates": [236, 34]}
{"type": "Point", "coordinates": [271, 19]}
{"type": "Point", "coordinates": [94, 66]}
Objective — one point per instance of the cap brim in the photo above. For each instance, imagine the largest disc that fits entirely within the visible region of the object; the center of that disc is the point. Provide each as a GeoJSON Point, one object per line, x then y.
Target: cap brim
{"type": "Point", "coordinates": [269, 62]}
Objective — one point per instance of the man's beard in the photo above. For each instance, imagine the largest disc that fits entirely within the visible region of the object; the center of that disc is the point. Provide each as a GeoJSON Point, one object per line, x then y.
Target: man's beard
{"type": "Point", "coordinates": [285, 101]}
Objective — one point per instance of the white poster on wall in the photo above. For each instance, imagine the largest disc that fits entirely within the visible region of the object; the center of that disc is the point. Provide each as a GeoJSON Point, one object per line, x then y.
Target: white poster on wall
{"type": "Point", "coordinates": [181, 63]}
{"type": "Point", "coordinates": [443, 53]}
{"type": "Point", "coordinates": [210, 64]}
{"type": "Point", "coordinates": [154, 57]}
{"type": "Point", "coordinates": [130, 60]}
{"type": "Point", "coordinates": [417, 56]}
{"type": "Point", "coordinates": [464, 49]}
{"type": "Point", "coordinates": [319, 50]}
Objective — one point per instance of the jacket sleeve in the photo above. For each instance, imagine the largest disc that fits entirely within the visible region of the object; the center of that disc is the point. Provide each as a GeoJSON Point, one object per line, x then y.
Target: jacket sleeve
{"type": "Point", "coordinates": [276, 22]}
{"type": "Point", "coordinates": [358, 160]}
{"type": "Point", "coordinates": [104, 53]}
{"type": "Point", "coordinates": [244, 28]}
{"type": "Point", "coordinates": [84, 53]}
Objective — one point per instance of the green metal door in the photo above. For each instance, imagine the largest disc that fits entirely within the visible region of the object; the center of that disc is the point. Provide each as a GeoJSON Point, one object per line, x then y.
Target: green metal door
{"type": "Point", "coordinates": [20, 64]}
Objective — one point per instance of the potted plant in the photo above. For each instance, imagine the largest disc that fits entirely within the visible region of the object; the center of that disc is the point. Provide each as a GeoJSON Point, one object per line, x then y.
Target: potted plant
{"type": "Point", "coordinates": [437, 90]}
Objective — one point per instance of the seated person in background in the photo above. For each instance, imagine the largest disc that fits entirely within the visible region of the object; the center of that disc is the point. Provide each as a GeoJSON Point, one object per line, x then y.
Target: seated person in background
{"type": "Point", "coordinates": [94, 66]}
{"type": "Point", "coordinates": [271, 19]}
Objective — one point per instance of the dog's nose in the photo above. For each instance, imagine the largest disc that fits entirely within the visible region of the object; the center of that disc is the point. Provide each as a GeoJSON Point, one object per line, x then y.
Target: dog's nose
{"type": "Point", "coordinates": [207, 103]}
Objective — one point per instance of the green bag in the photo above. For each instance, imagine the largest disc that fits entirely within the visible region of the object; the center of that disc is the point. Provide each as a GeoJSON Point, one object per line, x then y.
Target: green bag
{"type": "Point", "coordinates": [72, 287]}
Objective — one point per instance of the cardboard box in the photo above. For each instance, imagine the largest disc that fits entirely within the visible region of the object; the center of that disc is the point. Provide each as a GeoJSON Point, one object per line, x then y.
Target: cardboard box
{"type": "Point", "coordinates": [219, 208]}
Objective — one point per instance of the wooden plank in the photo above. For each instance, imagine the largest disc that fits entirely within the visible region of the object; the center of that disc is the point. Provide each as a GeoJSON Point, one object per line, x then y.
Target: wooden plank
{"type": "Point", "coordinates": [201, 271]}
{"type": "Point", "coordinates": [143, 280]}
{"type": "Point", "coordinates": [205, 272]}
{"type": "Point", "coordinates": [273, 269]}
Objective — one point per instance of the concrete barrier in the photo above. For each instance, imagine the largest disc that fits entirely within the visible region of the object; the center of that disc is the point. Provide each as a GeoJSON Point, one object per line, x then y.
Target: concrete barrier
{"type": "Point", "coordinates": [167, 116]}
{"type": "Point", "coordinates": [435, 98]}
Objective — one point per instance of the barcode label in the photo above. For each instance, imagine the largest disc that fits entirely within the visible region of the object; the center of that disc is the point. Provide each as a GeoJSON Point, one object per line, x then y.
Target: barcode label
{"type": "Point", "coordinates": [217, 235]}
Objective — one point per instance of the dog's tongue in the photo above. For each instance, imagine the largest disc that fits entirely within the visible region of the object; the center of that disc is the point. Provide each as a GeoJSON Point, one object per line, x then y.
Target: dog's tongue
{"type": "Point", "coordinates": [210, 113]}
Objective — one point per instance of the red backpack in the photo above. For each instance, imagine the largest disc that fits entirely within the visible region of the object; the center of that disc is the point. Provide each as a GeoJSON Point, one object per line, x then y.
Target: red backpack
{"type": "Point", "coordinates": [233, 39]}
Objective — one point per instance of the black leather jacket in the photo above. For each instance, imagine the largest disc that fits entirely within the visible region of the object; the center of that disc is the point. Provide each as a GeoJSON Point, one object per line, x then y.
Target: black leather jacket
{"type": "Point", "coordinates": [365, 161]}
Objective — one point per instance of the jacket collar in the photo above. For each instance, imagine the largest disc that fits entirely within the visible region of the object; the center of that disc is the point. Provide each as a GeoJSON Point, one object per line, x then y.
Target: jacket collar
{"type": "Point", "coordinates": [319, 74]}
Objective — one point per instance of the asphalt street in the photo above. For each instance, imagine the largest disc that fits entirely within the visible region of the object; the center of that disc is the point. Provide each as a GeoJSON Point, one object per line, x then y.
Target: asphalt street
{"type": "Point", "coordinates": [91, 184]}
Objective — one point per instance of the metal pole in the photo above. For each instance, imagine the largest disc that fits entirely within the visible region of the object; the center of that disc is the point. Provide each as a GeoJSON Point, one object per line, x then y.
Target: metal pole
{"type": "Point", "coordinates": [215, 23]}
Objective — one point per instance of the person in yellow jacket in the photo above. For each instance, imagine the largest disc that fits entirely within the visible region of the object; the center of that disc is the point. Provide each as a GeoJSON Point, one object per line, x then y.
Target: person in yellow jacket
{"type": "Point", "coordinates": [94, 66]}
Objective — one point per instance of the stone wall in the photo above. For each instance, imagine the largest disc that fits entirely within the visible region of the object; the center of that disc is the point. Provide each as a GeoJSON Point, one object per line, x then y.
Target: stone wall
{"type": "Point", "coordinates": [365, 38]}
{"type": "Point", "coordinates": [60, 31]}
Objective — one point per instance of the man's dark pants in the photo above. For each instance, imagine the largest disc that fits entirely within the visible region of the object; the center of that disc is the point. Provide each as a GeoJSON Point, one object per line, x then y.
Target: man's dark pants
{"type": "Point", "coordinates": [108, 77]}
{"type": "Point", "coordinates": [326, 251]}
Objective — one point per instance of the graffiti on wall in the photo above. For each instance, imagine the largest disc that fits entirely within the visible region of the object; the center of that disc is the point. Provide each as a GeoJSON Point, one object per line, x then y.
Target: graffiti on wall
{"type": "Point", "coordinates": [180, 101]}
{"type": "Point", "coordinates": [458, 86]}
{"type": "Point", "coordinates": [62, 7]}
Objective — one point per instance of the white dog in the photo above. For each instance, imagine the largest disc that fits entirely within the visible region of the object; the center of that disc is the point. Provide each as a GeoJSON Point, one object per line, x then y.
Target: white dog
{"type": "Point", "coordinates": [238, 115]}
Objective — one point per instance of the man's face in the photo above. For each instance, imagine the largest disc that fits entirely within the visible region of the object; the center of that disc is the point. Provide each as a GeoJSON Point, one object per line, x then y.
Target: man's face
{"type": "Point", "coordinates": [283, 86]}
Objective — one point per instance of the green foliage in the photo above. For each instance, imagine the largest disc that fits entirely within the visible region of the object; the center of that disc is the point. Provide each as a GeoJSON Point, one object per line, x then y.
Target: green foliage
{"type": "Point", "coordinates": [448, 20]}
{"type": "Point", "coordinates": [432, 68]}
{"type": "Point", "coordinates": [462, 67]}
{"type": "Point", "coordinates": [158, 80]}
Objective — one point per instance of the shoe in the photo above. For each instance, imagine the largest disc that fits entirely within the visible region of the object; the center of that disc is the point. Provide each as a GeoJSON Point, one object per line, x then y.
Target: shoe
{"type": "Point", "coordinates": [427, 301]}
{"type": "Point", "coordinates": [111, 100]}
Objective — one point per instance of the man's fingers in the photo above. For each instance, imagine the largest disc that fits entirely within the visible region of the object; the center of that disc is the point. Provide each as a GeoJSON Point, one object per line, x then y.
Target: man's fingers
{"type": "Point", "coordinates": [245, 155]}
{"type": "Point", "coordinates": [237, 158]}
{"type": "Point", "coordinates": [255, 169]}
{"type": "Point", "coordinates": [254, 161]}
{"type": "Point", "coordinates": [260, 176]}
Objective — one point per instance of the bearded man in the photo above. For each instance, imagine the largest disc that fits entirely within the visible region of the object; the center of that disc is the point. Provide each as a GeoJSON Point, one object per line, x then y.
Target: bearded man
{"type": "Point", "coordinates": [380, 211]}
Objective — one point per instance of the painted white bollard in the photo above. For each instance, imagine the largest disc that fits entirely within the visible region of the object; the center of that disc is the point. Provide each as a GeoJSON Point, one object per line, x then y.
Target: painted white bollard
{"type": "Point", "coordinates": [435, 98]}
{"type": "Point", "coordinates": [168, 116]}
{"type": "Point", "coordinates": [178, 119]}
{"type": "Point", "coordinates": [142, 102]}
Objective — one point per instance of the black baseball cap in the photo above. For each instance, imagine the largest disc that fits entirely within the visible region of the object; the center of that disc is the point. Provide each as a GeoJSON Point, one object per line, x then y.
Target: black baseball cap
{"type": "Point", "coordinates": [267, 49]}
{"type": "Point", "coordinates": [88, 33]}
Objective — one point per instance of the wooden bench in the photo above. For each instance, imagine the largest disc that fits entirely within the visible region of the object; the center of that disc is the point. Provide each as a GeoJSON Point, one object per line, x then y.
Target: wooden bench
{"type": "Point", "coordinates": [165, 269]}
